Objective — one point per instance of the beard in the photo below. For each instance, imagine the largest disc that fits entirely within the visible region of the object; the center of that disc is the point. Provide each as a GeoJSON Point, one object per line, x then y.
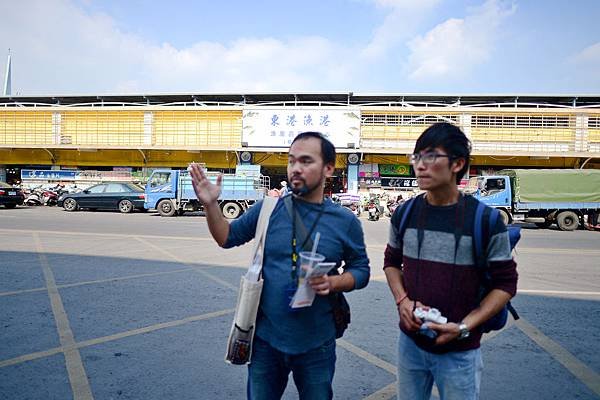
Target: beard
{"type": "Point", "coordinates": [304, 189]}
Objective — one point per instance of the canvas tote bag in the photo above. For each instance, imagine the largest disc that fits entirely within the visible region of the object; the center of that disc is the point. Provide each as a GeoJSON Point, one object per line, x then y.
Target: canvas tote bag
{"type": "Point", "coordinates": [241, 336]}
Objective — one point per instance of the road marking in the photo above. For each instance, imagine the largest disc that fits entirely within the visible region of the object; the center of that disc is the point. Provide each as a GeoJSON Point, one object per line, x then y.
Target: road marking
{"type": "Point", "coordinates": [116, 235]}
{"type": "Point", "coordinates": [104, 339]}
{"type": "Point", "coordinates": [156, 327]}
{"type": "Point", "coordinates": [80, 385]}
{"type": "Point", "coordinates": [581, 371]}
{"type": "Point", "coordinates": [384, 393]}
{"type": "Point", "coordinates": [533, 250]}
{"type": "Point", "coordinates": [378, 362]}
{"type": "Point", "coordinates": [179, 260]}
{"type": "Point", "coordinates": [529, 250]}
{"type": "Point", "coordinates": [563, 292]}
{"type": "Point", "coordinates": [121, 278]}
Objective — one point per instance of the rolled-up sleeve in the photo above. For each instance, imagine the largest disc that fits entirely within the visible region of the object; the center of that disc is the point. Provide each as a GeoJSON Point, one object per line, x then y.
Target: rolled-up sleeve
{"type": "Point", "coordinates": [242, 230]}
{"type": "Point", "coordinates": [355, 255]}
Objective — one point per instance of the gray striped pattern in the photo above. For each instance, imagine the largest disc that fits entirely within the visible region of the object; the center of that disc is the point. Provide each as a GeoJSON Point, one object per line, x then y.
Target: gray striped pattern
{"type": "Point", "coordinates": [439, 247]}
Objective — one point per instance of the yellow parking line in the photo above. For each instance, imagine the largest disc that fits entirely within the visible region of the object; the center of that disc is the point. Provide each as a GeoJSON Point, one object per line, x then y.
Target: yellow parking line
{"type": "Point", "coordinates": [559, 292]}
{"type": "Point", "coordinates": [581, 371]}
{"type": "Point", "coordinates": [179, 260]}
{"type": "Point", "coordinates": [121, 278]}
{"type": "Point", "coordinates": [378, 362]}
{"type": "Point", "coordinates": [385, 393]}
{"type": "Point", "coordinates": [75, 369]}
{"type": "Point", "coordinates": [104, 339]}
{"type": "Point", "coordinates": [110, 235]}
{"type": "Point", "coordinates": [156, 327]}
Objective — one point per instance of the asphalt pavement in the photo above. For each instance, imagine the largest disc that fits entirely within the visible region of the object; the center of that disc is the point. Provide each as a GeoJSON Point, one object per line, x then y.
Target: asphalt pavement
{"type": "Point", "coordinates": [102, 305]}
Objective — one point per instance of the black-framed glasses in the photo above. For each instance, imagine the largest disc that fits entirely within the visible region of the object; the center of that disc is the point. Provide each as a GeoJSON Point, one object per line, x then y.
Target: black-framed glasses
{"type": "Point", "coordinates": [427, 158]}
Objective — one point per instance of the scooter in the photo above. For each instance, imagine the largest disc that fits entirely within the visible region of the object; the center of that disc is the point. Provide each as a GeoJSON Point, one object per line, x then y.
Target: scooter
{"type": "Point", "coordinates": [354, 207]}
{"type": "Point", "coordinates": [34, 198]}
{"type": "Point", "coordinates": [50, 198]}
{"type": "Point", "coordinates": [373, 210]}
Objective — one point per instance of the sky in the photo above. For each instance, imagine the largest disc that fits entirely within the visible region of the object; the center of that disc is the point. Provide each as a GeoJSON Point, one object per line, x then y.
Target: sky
{"type": "Point", "coordinates": [61, 47]}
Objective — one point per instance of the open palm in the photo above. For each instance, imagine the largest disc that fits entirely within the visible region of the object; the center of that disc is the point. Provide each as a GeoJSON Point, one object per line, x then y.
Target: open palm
{"type": "Point", "coordinates": [206, 191]}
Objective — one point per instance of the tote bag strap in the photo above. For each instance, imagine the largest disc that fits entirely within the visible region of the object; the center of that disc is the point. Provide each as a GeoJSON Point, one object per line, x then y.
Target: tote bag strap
{"type": "Point", "coordinates": [261, 229]}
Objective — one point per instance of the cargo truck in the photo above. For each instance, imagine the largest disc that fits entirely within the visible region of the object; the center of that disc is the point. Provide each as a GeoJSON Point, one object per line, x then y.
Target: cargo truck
{"type": "Point", "coordinates": [170, 192]}
{"type": "Point", "coordinates": [544, 197]}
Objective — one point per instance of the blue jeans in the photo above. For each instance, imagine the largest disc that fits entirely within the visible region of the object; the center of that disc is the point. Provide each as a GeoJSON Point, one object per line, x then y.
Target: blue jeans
{"type": "Point", "coordinates": [457, 375]}
{"type": "Point", "coordinates": [312, 371]}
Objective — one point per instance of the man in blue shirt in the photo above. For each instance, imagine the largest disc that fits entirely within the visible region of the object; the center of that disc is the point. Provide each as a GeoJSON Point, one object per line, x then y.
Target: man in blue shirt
{"type": "Point", "coordinates": [301, 341]}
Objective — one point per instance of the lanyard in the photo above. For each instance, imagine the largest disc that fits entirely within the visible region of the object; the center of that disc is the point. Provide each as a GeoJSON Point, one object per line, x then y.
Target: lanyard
{"type": "Point", "coordinates": [295, 216]}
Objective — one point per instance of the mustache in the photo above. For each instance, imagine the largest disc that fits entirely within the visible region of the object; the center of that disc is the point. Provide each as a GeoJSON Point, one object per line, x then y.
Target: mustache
{"type": "Point", "coordinates": [298, 177]}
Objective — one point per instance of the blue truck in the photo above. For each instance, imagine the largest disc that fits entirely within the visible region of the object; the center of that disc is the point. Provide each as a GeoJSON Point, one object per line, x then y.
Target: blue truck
{"type": "Point", "coordinates": [544, 197]}
{"type": "Point", "coordinates": [170, 192]}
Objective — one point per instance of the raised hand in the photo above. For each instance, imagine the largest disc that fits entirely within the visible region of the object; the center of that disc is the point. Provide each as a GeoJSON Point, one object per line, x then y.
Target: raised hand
{"type": "Point", "coordinates": [206, 191]}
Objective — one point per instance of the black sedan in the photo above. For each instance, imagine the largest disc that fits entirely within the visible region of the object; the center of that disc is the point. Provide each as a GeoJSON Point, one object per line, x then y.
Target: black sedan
{"type": "Point", "coordinates": [124, 197]}
{"type": "Point", "coordinates": [10, 197]}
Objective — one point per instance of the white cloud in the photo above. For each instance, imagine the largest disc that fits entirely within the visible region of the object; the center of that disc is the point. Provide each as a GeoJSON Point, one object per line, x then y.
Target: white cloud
{"type": "Point", "coordinates": [58, 48]}
{"type": "Point", "coordinates": [398, 25]}
{"type": "Point", "coordinates": [453, 48]}
{"type": "Point", "coordinates": [589, 56]}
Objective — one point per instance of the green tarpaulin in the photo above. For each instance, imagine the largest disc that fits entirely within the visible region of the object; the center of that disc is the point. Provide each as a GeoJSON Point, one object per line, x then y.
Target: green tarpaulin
{"type": "Point", "coordinates": [554, 185]}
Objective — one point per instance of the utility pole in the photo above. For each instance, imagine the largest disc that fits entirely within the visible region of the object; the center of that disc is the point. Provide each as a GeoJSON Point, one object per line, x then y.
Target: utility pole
{"type": "Point", "coordinates": [7, 79]}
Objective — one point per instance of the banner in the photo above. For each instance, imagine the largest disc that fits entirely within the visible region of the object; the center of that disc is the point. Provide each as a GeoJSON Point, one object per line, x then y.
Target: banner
{"type": "Point", "coordinates": [400, 183]}
{"type": "Point", "coordinates": [278, 126]}
{"type": "Point", "coordinates": [394, 169]}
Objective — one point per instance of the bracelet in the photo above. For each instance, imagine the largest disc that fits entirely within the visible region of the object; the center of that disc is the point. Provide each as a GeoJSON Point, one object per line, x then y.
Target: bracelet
{"type": "Point", "coordinates": [401, 300]}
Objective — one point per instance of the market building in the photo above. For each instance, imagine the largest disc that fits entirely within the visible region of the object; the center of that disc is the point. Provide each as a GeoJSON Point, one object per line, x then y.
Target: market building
{"type": "Point", "coordinates": [373, 133]}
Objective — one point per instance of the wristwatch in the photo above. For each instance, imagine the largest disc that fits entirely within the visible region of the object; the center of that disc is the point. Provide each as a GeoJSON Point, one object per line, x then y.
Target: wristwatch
{"type": "Point", "coordinates": [463, 331]}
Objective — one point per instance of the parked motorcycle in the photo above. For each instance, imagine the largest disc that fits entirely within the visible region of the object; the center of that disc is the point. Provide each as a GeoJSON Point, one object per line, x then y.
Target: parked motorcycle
{"type": "Point", "coordinates": [373, 210]}
{"type": "Point", "coordinates": [34, 198]}
{"type": "Point", "coordinates": [354, 207]}
{"type": "Point", "coordinates": [49, 198]}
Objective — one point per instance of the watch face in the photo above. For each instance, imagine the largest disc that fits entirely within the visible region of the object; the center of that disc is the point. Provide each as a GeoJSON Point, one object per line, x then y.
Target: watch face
{"type": "Point", "coordinates": [464, 332]}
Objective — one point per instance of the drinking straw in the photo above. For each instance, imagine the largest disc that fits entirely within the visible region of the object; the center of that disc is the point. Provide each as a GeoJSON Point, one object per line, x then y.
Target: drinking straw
{"type": "Point", "coordinates": [315, 244]}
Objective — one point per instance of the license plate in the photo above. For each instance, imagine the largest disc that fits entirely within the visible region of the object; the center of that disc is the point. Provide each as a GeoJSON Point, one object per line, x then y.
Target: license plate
{"type": "Point", "coordinates": [12, 193]}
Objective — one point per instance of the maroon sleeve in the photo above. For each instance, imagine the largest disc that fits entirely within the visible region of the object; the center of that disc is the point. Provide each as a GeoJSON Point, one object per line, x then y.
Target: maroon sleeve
{"type": "Point", "coordinates": [504, 275]}
{"type": "Point", "coordinates": [392, 257]}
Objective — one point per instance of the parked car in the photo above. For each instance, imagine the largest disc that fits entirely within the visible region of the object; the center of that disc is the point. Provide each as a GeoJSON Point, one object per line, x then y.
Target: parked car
{"type": "Point", "coordinates": [124, 197]}
{"type": "Point", "coordinates": [10, 197]}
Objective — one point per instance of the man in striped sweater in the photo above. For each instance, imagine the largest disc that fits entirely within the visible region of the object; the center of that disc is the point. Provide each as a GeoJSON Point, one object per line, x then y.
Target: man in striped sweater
{"type": "Point", "coordinates": [433, 266]}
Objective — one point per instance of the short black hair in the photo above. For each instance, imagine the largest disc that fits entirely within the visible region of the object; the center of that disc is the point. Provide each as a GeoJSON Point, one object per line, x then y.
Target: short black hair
{"type": "Point", "coordinates": [327, 148]}
{"type": "Point", "coordinates": [450, 138]}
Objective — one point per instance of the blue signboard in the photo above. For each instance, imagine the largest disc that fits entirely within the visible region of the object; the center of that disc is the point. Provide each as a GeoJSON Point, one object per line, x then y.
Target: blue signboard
{"type": "Point", "coordinates": [47, 174]}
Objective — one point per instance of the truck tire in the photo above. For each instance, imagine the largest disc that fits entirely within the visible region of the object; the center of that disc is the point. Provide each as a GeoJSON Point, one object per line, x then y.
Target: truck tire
{"type": "Point", "coordinates": [231, 210]}
{"type": "Point", "coordinates": [505, 217]}
{"type": "Point", "coordinates": [166, 208]}
{"type": "Point", "coordinates": [567, 221]}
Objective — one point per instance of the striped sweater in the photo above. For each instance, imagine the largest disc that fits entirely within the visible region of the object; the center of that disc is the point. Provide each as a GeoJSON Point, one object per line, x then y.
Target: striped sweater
{"type": "Point", "coordinates": [444, 274]}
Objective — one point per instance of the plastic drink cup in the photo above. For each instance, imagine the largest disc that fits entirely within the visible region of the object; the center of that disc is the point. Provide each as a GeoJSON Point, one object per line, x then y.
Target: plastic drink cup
{"type": "Point", "coordinates": [307, 261]}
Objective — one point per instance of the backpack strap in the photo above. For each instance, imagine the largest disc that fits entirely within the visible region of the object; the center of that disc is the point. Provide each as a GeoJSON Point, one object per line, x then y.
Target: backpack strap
{"type": "Point", "coordinates": [481, 239]}
{"type": "Point", "coordinates": [478, 241]}
{"type": "Point", "coordinates": [408, 205]}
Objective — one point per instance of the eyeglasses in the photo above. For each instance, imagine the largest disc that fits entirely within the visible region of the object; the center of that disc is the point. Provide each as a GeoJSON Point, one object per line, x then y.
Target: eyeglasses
{"type": "Point", "coordinates": [427, 158]}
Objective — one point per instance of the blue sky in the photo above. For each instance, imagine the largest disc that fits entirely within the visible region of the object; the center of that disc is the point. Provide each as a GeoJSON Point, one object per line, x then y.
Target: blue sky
{"type": "Point", "coordinates": [377, 46]}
